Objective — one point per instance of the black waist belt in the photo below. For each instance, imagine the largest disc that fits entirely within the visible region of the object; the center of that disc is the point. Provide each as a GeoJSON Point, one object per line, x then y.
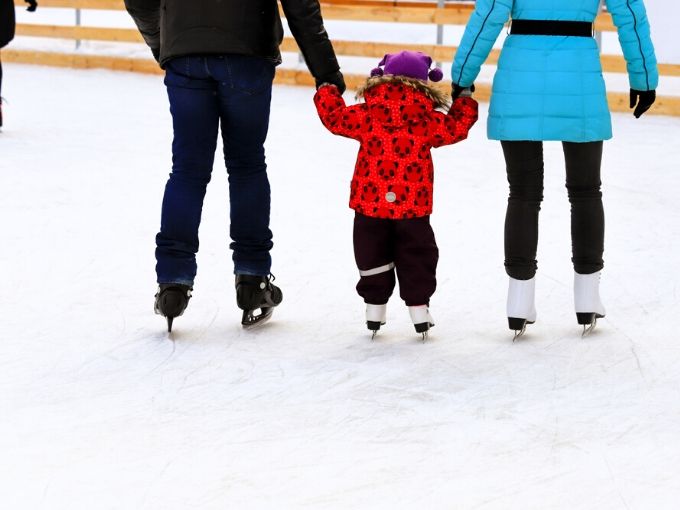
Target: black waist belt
{"type": "Point", "coordinates": [545, 27]}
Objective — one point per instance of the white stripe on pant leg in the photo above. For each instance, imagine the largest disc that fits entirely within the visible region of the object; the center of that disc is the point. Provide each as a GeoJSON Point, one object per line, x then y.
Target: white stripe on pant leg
{"type": "Point", "coordinates": [377, 270]}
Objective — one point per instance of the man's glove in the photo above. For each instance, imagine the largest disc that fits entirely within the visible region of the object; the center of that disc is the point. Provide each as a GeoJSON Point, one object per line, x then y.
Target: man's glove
{"type": "Point", "coordinates": [457, 91]}
{"type": "Point", "coordinates": [644, 99]}
{"type": "Point", "coordinates": [32, 5]}
{"type": "Point", "coordinates": [334, 79]}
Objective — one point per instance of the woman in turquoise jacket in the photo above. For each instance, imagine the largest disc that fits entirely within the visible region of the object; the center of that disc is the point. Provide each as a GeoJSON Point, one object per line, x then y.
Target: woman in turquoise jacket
{"type": "Point", "coordinates": [549, 86]}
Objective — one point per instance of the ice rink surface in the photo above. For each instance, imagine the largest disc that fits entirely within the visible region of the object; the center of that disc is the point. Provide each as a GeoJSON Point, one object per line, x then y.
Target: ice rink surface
{"type": "Point", "coordinates": [101, 409]}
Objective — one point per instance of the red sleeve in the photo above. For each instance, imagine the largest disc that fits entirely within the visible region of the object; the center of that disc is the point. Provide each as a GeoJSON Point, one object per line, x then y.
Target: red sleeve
{"type": "Point", "coordinates": [338, 118]}
{"type": "Point", "coordinates": [454, 126]}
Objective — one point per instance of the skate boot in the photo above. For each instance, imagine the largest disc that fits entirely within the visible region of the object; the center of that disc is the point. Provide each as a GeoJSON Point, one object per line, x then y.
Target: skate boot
{"type": "Point", "coordinates": [256, 293]}
{"type": "Point", "coordinates": [521, 307]}
{"type": "Point", "coordinates": [375, 317]}
{"type": "Point", "coordinates": [587, 302]}
{"type": "Point", "coordinates": [422, 320]}
{"type": "Point", "coordinates": [171, 301]}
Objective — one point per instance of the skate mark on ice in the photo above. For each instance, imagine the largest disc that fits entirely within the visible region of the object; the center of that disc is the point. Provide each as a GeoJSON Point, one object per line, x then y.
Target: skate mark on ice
{"type": "Point", "coordinates": [632, 349]}
{"type": "Point", "coordinates": [613, 480]}
{"type": "Point", "coordinates": [169, 336]}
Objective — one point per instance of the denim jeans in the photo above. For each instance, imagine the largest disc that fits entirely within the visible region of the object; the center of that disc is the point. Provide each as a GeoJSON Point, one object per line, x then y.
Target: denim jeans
{"type": "Point", "coordinates": [233, 91]}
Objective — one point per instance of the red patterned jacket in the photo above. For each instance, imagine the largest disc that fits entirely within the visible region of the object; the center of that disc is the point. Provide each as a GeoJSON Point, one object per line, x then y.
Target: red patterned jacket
{"type": "Point", "coordinates": [396, 126]}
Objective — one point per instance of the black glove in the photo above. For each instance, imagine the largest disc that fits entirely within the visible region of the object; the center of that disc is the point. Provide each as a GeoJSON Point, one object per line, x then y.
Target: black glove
{"type": "Point", "coordinates": [32, 5]}
{"type": "Point", "coordinates": [334, 79]}
{"type": "Point", "coordinates": [457, 90]}
{"type": "Point", "coordinates": [156, 53]}
{"type": "Point", "coordinates": [644, 100]}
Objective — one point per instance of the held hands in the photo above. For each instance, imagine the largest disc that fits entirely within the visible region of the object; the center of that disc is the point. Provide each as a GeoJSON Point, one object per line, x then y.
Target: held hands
{"type": "Point", "coordinates": [644, 99]}
{"type": "Point", "coordinates": [332, 79]}
{"type": "Point", "coordinates": [458, 91]}
{"type": "Point", "coordinates": [32, 5]}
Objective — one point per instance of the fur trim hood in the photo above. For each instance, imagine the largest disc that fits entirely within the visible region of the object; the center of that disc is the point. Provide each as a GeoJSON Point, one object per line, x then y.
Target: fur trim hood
{"type": "Point", "coordinates": [439, 98]}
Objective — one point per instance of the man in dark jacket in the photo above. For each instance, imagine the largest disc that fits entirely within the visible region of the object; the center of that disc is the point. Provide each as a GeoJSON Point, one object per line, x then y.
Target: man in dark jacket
{"type": "Point", "coordinates": [219, 58]}
{"type": "Point", "coordinates": [7, 29]}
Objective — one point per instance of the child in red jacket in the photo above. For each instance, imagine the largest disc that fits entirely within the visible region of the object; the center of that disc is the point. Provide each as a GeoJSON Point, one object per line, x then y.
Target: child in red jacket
{"type": "Point", "coordinates": [391, 190]}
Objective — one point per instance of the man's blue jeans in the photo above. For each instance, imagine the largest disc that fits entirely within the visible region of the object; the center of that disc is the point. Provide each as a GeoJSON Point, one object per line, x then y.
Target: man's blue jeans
{"type": "Point", "coordinates": [204, 92]}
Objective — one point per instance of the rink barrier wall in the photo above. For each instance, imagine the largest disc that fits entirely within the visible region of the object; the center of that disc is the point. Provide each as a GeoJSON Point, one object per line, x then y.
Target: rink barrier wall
{"type": "Point", "coordinates": [346, 10]}
{"type": "Point", "coordinates": [610, 63]}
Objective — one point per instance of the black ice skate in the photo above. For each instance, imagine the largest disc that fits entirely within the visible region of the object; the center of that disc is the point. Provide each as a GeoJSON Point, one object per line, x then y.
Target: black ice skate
{"type": "Point", "coordinates": [422, 320]}
{"type": "Point", "coordinates": [255, 293]}
{"type": "Point", "coordinates": [171, 301]}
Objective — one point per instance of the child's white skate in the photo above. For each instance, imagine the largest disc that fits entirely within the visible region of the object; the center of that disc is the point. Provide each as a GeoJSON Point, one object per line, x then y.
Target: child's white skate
{"type": "Point", "coordinates": [422, 320]}
{"type": "Point", "coordinates": [375, 317]}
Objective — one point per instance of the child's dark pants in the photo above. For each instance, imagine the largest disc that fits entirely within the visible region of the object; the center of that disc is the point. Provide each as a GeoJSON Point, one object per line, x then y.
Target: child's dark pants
{"type": "Point", "coordinates": [383, 245]}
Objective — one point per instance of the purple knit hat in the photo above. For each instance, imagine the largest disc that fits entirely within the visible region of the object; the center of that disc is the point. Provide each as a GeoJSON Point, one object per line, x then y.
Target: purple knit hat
{"type": "Point", "coordinates": [412, 64]}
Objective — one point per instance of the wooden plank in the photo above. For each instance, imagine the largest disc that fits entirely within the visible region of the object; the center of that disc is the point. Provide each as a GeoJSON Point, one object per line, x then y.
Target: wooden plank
{"type": "Point", "coordinates": [618, 101]}
{"type": "Point", "coordinates": [617, 64]}
{"type": "Point", "coordinates": [669, 69]}
{"type": "Point", "coordinates": [469, 5]}
{"type": "Point", "coordinates": [109, 5]}
{"type": "Point", "coordinates": [385, 14]}
{"type": "Point", "coordinates": [403, 12]}
{"type": "Point", "coordinates": [81, 61]}
{"type": "Point", "coordinates": [81, 33]}
{"type": "Point", "coordinates": [456, 14]}
{"type": "Point", "coordinates": [610, 63]}
{"type": "Point", "coordinates": [604, 23]}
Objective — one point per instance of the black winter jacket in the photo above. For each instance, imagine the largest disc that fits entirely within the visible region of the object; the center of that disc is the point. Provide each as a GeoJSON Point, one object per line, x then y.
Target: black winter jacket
{"type": "Point", "coordinates": [7, 22]}
{"type": "Point", "coordinates": [174, 28]}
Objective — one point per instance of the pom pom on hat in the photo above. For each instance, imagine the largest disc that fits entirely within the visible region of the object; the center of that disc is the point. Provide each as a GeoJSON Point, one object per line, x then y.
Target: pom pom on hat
{"type": "Point", "coordinates": [436, 74]}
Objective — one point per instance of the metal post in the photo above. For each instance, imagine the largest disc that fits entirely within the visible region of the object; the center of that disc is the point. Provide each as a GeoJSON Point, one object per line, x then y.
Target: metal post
{"type": "Point", "coordinates": [440, 30]}
{"type": "Point", "coordinates": [78, 21]}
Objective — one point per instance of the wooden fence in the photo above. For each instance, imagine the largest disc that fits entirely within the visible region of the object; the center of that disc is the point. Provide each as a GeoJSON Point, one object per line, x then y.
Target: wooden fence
{"type": "Point", "coordinates": [347, 10]}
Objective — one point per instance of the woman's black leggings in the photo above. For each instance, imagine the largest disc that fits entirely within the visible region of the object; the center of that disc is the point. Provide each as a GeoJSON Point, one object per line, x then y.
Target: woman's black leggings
{"type": "Point", "coordinates": [524, 164]}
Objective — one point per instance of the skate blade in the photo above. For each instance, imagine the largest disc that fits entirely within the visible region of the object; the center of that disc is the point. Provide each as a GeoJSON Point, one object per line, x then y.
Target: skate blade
{"type": "Point", "coordinates": [588, 329]}
{"type": "Point", "coordinates": [589, 321]}
{"type": "Point", "coordinates": [251, 321]}
{"type": "Point", "coordinates": [170, 319]}
{"type": "Point", "coordinates": [519, 326]}
{"type": "Point", "coordinates": [424, 329]}
{"type": "Point", "coordinates": [519, 333]}
{"type": "Point", "coordinates": [374, 327]}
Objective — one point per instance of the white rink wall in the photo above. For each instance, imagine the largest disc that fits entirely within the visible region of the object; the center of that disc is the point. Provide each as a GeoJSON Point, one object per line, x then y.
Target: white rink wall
{"type": "Point", "coordinates": [661, 14]}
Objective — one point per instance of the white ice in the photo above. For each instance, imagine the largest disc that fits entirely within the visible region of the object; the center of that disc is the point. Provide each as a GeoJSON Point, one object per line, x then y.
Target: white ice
{"type": "Point", "coordinates": [101, 409]}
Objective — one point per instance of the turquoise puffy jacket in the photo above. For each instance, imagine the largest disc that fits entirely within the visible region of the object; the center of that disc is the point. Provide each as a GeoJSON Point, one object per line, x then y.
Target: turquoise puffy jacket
{"type": "Point", "coordinates": [551, 87]}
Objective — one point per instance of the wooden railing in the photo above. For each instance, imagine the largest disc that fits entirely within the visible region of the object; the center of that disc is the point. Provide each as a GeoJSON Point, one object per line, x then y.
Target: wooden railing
{"type": "Point", "coordinates": [347, 10]}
